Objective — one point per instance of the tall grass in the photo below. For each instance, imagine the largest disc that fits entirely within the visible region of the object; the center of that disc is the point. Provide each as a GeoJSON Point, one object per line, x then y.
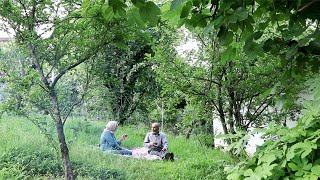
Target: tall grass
{"type": "Point", "coordinates": [25, 149]}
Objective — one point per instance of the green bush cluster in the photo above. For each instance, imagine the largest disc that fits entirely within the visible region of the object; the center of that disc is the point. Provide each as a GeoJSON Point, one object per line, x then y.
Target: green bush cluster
{"type": "Point", "coordinates": [26, 163]}
{"type": "Point", "coordinates": [288, 153]}
{"type": "Point", "coordinates": [29, 162]}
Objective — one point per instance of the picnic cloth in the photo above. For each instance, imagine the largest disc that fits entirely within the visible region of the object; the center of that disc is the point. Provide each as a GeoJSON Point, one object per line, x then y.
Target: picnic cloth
{"type": "Point", "coordinates": [142, 153]}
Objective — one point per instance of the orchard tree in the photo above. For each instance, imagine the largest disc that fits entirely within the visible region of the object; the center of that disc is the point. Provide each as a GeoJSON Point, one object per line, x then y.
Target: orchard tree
{"type": "Point", "coordinates": [57, 38]}
{"type": "Point", "coordinates": [293, 25]}
{"type": "Point", "coordinates": [124, 71]}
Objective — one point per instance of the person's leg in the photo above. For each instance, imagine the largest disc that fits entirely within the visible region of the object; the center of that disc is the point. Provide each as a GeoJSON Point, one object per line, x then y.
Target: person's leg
{"type": "Point", "coordinates": [162, 154]}
{"type": "Point", "coordinates": [166, 156]}
{"type": "Point", "coordinates": [125, 152]}
{"type": "Point", "coordinates": [171, 156]}
{"type": "Point", "coordinates": [155, 153]}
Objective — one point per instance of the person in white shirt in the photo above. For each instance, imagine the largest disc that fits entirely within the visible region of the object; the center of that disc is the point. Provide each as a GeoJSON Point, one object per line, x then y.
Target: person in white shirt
{"type": "Point", "coordinates": [157, 143]}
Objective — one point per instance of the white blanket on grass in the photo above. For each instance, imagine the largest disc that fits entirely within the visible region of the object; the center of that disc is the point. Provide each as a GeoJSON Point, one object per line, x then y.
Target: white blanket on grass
{"type": "Point", "coordinates": [142, 153]}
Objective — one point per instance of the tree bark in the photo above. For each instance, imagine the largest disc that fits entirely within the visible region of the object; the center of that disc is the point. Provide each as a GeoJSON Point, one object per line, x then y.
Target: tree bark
{"type": "Point", "coordinates": [221, 112]}
{"type": "Point", "coordinates": [230, 120]}
{"type": "Point", "coordinates": [61, 137]}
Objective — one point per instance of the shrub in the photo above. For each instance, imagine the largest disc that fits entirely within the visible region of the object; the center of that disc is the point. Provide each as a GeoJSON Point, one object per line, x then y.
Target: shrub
{"type": "Point", "coordinates": [287, 153]}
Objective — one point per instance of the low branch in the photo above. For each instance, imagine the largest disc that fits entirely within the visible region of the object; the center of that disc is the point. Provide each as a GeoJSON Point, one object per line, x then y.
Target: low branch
{"type": "Point", "coordinates": [76, 103]}
{"type": "Point", "coordinates": [307, 5]}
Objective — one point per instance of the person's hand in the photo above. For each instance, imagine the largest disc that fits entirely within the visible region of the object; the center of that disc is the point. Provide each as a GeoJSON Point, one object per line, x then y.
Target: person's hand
{"type": "Point", "coordinates": [164, 149]}
{"type": "Point", "coordinates": [154, 144]}
{"type": "Point", "coordinates": [124, 136]}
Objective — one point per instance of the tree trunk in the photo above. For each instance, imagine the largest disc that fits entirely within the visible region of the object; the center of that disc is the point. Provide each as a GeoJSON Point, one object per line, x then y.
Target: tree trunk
{"type": "Point", "coordinates": [55, 112]}
{"type": "Point", "coordinates": [64, 152]}
{"type": "Point", "coordinates": [19, 102]}
{"type": "Point", "coordinates": [231, 110]}
{"type": "Point", "coordinates": [221, 112]}
{"type": "Point", "coordinates": [230, 120]}
{"type": "Point", "coordinates": [213, 133]}
{"type": "Point", "coordinates": [237, 115]}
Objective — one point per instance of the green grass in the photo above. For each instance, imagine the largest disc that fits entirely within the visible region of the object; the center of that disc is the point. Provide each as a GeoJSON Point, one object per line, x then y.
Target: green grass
{"type": "Point", "coordinates": [26, 154]}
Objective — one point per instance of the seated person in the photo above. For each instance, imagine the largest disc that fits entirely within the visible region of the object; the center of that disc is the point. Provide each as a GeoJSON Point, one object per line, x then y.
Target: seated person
{"type": "Point", "coordinates": [157, 143]}
{"type": "Point", "coordinates": [108, 142]}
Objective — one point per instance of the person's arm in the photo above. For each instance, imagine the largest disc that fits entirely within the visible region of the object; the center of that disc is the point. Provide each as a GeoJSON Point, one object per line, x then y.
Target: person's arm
{"type": "Point", "coordinates": [147, 141]}
{"type": "Point", "coordinates": [103, 141]}
{"type": "Point", "coordinates": [164, 141]}
{"type": "Point", "coordinates": [123, 137]}
{"type": "Point", "coordinates": [111, 140]}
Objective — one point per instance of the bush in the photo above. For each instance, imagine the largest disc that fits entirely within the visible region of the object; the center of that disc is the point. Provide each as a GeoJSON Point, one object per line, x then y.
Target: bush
{"type": "Point", "coordinates": [287, 153]}
{"type": "Point", "coordinates": [92, 171]}
{"type": "Point", "coordinates": [31, 162]}
{"type": "Point", "coordinates": [22, 163]}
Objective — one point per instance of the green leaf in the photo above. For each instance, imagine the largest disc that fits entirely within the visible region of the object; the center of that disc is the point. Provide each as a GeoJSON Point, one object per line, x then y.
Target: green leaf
{"type": "Point", "coordinates": [208, 28]}
{"type": "Point", "coordinates": [198, 20]}
{"type": "Point", "coordinates": [267, 158]}
{"type": "Point", "coordinates": [291, 52]}
{"type": "Point", "coordinates": [225, 36]}
{"type": "Point", "coordinates": [118, 7]}
{"type": "Point", "coordinates": [176, 3]}
{"type": "Point", "coordinates": [307, 167]}
{"type": "Point", "coordinates": [107, 12]}
{"type": "Point", "coordinates": [251, 49]}
{"type": "Point", "coordinates": [231, 146]}
{"type": "Point", "coordinates": [228, 55]}
{"type": "Point", "coordinates": [257, 35]}
{"type": "Point", "coordinates": [137, 18]}
{"type": "Point", "coordinates": [138, 3]}
{"type": "Point", "coordinates": [248, 172]}
{"type": "Point", "coordinates": [263, 25]}
{"type": "Point", "coordinates": [122, 12]}
{"type": "Point", "coordinates": [168, 15]}
{"type": "Point", "coordinates": [275, 87]}
{"type": "Point", "coordinates": [150, 13]}
{"type": "Point", "coordinates": [221, 136]}
{"type": "Point", "coordinates": [186, 10]}
{"type": "Point", "coordinates": [225, 5]}
{"type": "Point", "coordinates": [234, 27]}
{"type": "Point", "coordinates": [293, 166]}
{"type": "Point", "coordinates": [268, 45]}
{"type": "Point", "coordinates": [218, 22]}
{"type": "Point", "coordinates": [181, 22]}
{"type": "Point", "coordinates": [86, 4]}
{"type": "Point", "coordinates": [241, 14]}
{"type": "Point", "coordinates": [316, 170]}
{"type": "Point", "coordinates": [233, 18]}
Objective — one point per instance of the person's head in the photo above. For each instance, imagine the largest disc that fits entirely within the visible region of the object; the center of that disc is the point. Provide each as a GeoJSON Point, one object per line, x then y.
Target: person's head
{"type": "Point", "coordinates": [155, 127]}
{"type": "Point", "coordinates": [112, 126]}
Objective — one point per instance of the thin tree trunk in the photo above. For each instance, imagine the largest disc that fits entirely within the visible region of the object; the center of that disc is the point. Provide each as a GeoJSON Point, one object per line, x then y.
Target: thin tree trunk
{"type": "Point", "coordinates": [237, 115]}
{"type": "Point", "coordinates": [55, 114]}
{"type": "Point", "coordinates": [61, 137]}
{"type": "Point", "coordinates": [231, 110]}
{"type": "Point", "coordinates": [221, 112]}
{"type": "Point", "coordinates": [230, 120]}
{"type": "Point", "coordinates": [213, 133]}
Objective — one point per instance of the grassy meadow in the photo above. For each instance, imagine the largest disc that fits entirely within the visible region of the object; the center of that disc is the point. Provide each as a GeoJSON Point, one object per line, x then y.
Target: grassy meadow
{"type": "Point", "coordinates": [26, 153]}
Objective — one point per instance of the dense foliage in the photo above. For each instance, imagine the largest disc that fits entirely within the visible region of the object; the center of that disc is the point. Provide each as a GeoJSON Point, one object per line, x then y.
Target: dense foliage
{"type": "Point", "coordinates": [288, 153]}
